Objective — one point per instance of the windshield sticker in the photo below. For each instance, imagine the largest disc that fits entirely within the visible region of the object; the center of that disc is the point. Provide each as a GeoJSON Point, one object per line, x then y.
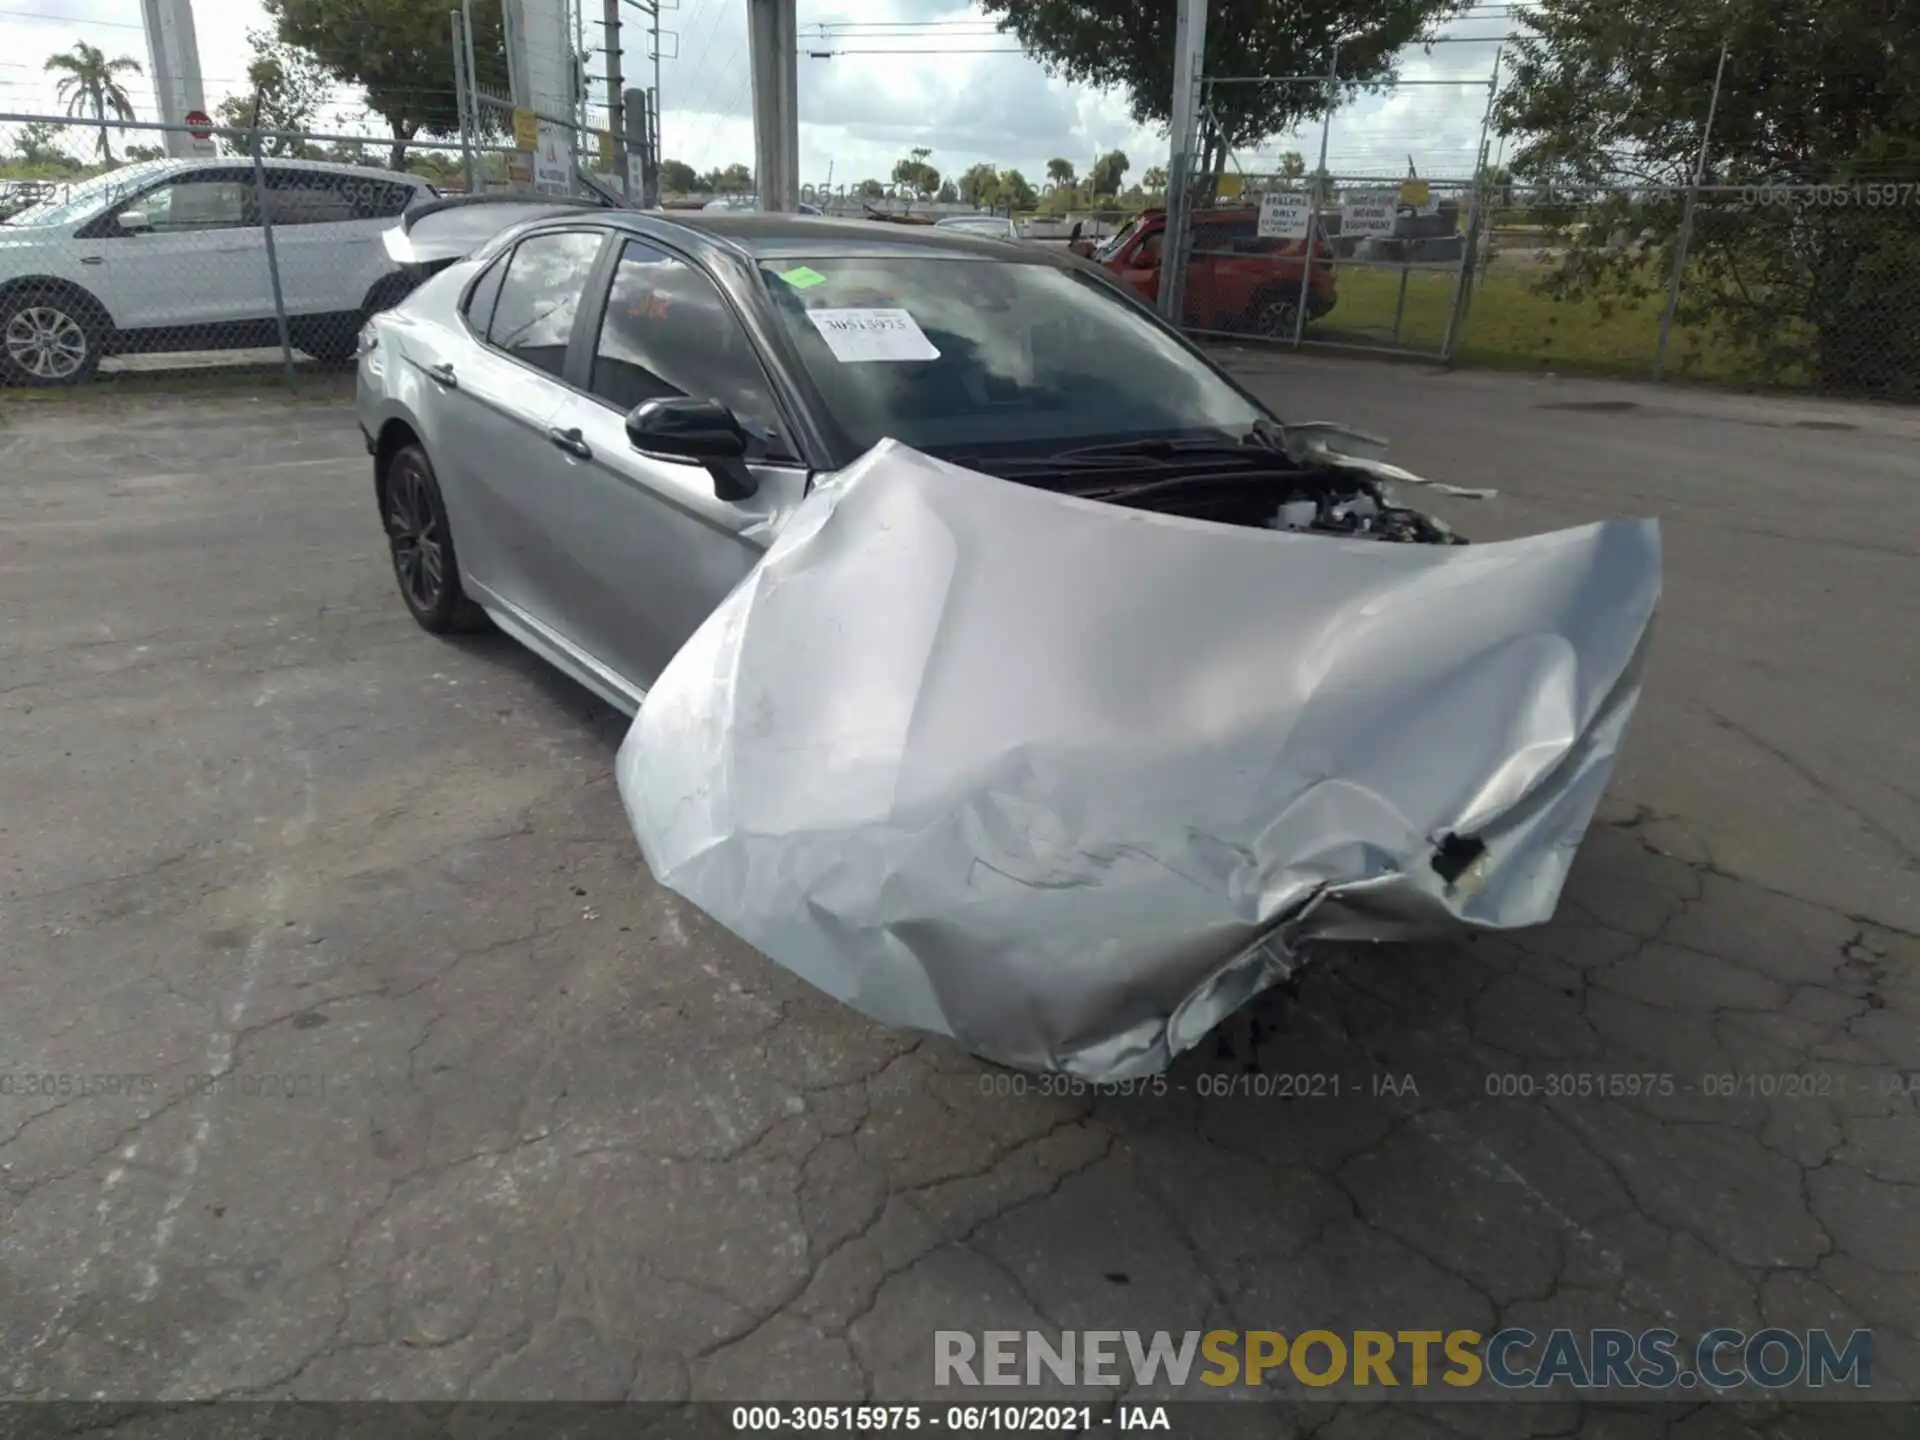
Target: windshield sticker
{"type": "Point", "coordinates": [855, 335]}
{"type": "Point", "coordinates": [802, 277]}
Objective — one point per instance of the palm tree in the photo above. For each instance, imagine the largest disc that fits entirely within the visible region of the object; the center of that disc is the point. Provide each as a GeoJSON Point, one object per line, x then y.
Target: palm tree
{"type": "Point", "coordinates": [88, 83]}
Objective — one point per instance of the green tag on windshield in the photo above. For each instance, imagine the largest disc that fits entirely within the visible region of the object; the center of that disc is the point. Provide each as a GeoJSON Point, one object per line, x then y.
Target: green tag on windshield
{"type": "Point", "coordinates": [803, 277]}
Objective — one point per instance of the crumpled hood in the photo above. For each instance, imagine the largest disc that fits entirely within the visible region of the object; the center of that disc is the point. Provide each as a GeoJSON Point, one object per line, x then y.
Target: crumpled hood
{"type": "Point", "coordinates": [1068, 782]}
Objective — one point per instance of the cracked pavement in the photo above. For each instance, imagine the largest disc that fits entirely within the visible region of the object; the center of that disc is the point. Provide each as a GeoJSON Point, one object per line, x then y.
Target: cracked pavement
{"type": "Point", "coordinates": [391, 1074]}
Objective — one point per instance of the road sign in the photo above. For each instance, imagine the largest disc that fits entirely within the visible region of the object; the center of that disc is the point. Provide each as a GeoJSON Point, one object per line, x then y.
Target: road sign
{"type": "Point", "coordinates": [526, 130]}
{"type": "Point", "coordinates": [199, 124]}
{"type": "Point", "coordinates": [1369, 212]}
{"type": "Point", "coordinates": [1284, 214]}
{"type": "Point", "coordinates": [553, 159]}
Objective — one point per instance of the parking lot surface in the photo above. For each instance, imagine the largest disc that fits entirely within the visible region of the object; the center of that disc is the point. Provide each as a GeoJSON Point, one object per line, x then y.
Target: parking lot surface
{"type": "Point", "coordinates": [351, 1052]}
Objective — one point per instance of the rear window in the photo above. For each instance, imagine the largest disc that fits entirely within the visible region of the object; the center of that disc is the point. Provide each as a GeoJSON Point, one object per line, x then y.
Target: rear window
{"type": "Point", "coordinates": [987, 356]}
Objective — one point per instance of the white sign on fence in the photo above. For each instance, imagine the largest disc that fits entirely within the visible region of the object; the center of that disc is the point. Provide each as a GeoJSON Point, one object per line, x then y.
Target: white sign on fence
{"type": "Point", "coordinates": [1284, 214]}
{"type": "Point", "coordinates": [553, 160]}
{"type": "Point", "coordinates": [1369, 212]}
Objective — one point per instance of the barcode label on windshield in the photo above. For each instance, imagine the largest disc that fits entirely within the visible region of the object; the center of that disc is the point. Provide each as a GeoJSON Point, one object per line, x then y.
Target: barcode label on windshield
{"type": "Point", "coordinates": [872, 335]}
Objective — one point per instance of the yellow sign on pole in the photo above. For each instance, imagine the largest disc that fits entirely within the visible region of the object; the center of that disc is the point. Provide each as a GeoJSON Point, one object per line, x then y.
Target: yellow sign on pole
{"type": "Point", "coordinates": [526, 130]}
{"type": "Point", "coordinates": [1229, 187]}
{"type": "Point", "coordinates": [1415, 193]}
{"type": "Point", "coordinates": [606, 151]}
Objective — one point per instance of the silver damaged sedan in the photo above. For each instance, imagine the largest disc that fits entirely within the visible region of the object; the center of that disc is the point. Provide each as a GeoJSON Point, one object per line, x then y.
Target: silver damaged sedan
{"type": "Point", "coordinates": [998, 665]}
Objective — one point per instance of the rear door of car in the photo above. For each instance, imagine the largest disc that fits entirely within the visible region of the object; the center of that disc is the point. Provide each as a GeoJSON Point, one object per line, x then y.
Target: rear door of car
{"type": "Point", "coordinates": [326, 235]}
{"type": "Point", "coordinates": [652, 549]}
{"type": "Point", "coordinates": [496, 399]}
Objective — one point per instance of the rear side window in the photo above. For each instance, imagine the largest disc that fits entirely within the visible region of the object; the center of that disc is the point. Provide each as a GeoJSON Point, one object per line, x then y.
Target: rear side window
{"type": "Point", "coordinates": [545, 278]}
{"type": "Point", "coordinates": [480, 299]}
{"type": "Point", "coordinates": [321, 197]}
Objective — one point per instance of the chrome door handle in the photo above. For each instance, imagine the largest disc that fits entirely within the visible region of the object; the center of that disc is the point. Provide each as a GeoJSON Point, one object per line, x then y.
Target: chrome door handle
{"type": "Point", "coordinates": [442, 374]}
{"type": "Point", "coordinates": [570, 441]}
{"type": "Point", "coordinates": [93, 259]}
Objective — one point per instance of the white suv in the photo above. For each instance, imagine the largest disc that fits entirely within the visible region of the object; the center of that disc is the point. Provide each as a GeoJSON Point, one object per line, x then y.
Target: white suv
{"type": "Point", "coordinates": [170, 255]}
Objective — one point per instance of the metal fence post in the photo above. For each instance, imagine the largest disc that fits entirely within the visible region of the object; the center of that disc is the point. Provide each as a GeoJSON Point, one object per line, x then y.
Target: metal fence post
{"type": "Point", "coordinates": [1189, 100]}
{"type": "Point", "coordinates": [1684, 240]}
{"type": "Point", "coordinates": [1470, 242]}
{"type": "Point", "coordinates": [273, 257]}
{"type": "Point", "coordinates": [456, 26]}
{"type": "Point", "coordinates": [1313, 205]}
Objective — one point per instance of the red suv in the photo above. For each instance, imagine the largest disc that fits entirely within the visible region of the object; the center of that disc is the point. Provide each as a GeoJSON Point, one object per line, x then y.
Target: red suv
{"type": "Point", "coordinates": [1236, 281]}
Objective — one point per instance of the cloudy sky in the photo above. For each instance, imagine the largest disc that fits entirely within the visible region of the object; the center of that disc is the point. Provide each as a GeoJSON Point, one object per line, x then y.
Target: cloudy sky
{"type": "Point", "coordinates": [906, 73]}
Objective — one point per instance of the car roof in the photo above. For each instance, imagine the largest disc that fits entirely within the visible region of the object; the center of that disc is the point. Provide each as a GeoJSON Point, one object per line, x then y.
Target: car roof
{"type": "Point", "coordinates": [771, 236]}
{"type": "Point", "coordinates": [173, 166]}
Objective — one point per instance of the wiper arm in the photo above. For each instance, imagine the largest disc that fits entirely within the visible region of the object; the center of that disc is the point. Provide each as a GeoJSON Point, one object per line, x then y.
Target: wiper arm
{"type": "Point", "coordinates": [1169, 448]}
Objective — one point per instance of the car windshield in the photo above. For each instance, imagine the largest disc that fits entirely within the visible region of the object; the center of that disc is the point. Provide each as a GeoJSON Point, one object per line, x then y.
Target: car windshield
{"type": "Point", "coordinates": [989, 357]}
{"type": "Point", "coordinates": [1111, 246]}
{"type": "Point", "coordinates": [87, 199]}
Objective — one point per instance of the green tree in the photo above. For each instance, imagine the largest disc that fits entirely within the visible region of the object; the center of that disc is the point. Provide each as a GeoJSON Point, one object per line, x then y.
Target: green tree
{"type": "Point", "coordinates": [678, 178]}
{"type": "Point", "coordinates": [916, 175]}
{"type": "Point", "coordinates": [1155, 180]}
{"type": "Point", "coordinates": [88, 83]}
{"type": "Point", "coordinates": [1015, 192]}
{"type": "Point", "coordinates": [1108, 172]}
{"type": "Point", "coordinates": [980, 185]}
{"type": "Point", "coordinates": [1060, 172]}
{"type": "Point", "coordinates": [1293, 165]}
{"type": "Point", "coordinates": [1607, 102]}
{"type": "Point", "coordinates": [870, 190]}
{"type": "Point", "coordinates": [398, 52]}
{"type": "Point", "coordinates": [949, 193]}
{"type": "Point", "coordinates": [37, 144]}
{"type": "Point", "coordinates": [291, 85]}
{"type": "Point", "coordinates": [1123, 44]}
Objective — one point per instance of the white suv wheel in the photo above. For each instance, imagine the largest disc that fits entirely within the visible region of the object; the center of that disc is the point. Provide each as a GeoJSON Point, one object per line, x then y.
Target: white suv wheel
{"type": "Point", "coordinates": [45, 343]}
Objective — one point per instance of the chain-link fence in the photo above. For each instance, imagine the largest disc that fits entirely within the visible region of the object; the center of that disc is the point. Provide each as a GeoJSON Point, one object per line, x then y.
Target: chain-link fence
{"type": "Point", "coordinates": [1804, 286]}
{"type": "Point", "coordinates": [267, 251]}
{"type": "Point", "coordinates": [1346, 248]}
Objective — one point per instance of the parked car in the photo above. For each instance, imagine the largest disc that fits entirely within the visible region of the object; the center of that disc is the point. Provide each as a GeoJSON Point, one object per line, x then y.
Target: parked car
{"type": "Point", "coordinates": [977, 679]}
{"type": "Point", "coordinates": [1237, 281]}
{"type": "Point", "coordinates": [997, 227]}
{"type": "Point", "coordinates": [170, 255]}
{"type": "Point", "coordinates": [752, 202]}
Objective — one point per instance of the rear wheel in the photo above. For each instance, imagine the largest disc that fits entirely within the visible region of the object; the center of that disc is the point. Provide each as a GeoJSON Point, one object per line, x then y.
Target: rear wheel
{"type": "Point", "coordinates": [422, 544]}
{"type": "Point", "coordinates": [48, 338]}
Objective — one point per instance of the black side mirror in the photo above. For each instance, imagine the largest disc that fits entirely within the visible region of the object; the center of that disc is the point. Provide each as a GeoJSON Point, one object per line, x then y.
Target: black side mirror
{"type": "Point", "coordinates": [698, 432]}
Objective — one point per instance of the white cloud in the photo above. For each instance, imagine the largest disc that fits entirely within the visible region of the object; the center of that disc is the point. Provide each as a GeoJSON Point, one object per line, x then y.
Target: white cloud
{"type": "Point", "coordinates": [859, 112]}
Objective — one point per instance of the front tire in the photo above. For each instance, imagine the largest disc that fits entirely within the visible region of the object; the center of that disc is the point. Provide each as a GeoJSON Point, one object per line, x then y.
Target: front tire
{"type": "Point", "coordinates": [48, 337]}
{"type": "Point", "coordinates": [421, 542]}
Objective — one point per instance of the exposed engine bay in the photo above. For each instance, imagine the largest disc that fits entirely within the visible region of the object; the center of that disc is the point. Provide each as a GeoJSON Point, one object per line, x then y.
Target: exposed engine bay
{"type": "Point", "coordinates": [1320, 499]}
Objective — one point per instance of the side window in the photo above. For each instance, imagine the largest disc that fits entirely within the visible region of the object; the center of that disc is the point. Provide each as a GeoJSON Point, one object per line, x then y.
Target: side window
{"type": "Point", "coordinates": [1149, 251]}
{"type": "Point", "coordinates": [306, 197]}
{"type": "Point", "coordinates": [668, 333]}
{"type": "Point", "coordinates": [486, 290]}
{"type": "Point", "coordinates": [198, 202]}
{"type": "Point", "coordinates": [533, 316]}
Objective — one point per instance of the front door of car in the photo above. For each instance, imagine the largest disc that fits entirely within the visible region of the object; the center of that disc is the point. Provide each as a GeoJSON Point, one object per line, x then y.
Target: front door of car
{"type": "Point", "coordinates": [654, 550]}
{"type": "Point", "coordinates": [496, 401]}
{"type": "Point", "coordinates": [187, 252]}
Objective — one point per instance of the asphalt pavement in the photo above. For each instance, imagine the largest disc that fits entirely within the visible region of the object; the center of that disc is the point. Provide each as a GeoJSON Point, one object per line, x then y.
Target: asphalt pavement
{"type": "Point", "coordinates": [350, 1052]}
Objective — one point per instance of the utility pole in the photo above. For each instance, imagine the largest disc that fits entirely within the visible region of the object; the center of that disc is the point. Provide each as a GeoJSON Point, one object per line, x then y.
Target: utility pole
{"type": "Point", "coordinates": [773, 39]}
{"type": "Point", "coordinates": [616, 110]}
